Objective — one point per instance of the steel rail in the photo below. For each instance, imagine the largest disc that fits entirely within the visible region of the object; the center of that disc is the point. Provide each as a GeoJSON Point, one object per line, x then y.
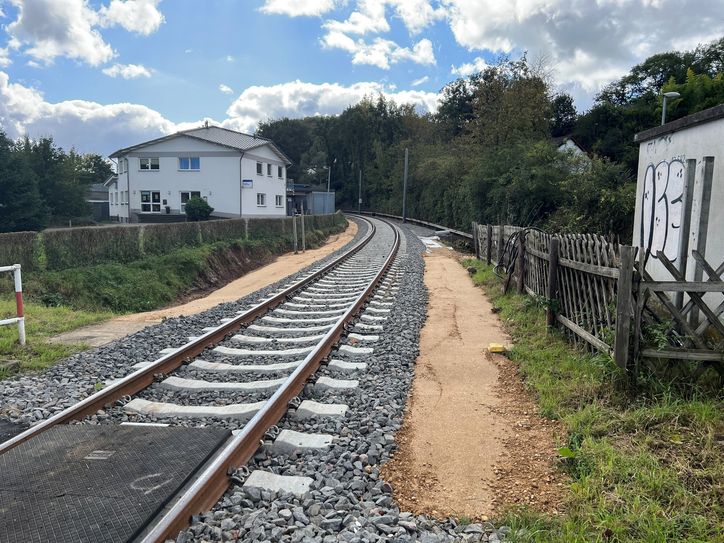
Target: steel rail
{"type": "Point", "coordinates": [206, 490]}
{"type": "Point", "coordinates": [144, 377]}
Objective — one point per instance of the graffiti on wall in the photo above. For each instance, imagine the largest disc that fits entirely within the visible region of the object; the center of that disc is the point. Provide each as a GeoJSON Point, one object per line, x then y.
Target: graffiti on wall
{"type": "Point", "coordinates": [661, 207]}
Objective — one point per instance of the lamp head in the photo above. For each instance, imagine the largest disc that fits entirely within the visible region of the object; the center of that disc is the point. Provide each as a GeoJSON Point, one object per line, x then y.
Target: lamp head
{"type": "Point", "coordinates": [672, 94]}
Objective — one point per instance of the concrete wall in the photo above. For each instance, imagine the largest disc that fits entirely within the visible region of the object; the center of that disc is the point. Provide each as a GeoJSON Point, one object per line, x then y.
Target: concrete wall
{"type": "Point", "coordinates": [667, 162]}
{"type": "Point", "coordinates": [218, 179]}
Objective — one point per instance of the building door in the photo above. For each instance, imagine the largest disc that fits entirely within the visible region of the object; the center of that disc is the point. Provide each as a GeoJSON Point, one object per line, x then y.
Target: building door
{"type": "Point", "coordinates": [150, 201]}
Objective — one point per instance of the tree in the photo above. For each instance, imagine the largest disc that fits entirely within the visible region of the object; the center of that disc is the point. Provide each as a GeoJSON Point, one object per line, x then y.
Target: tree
{"type": "Point", "coordinates": [564, 115]}
{"type": "Point", "coordinates": [21, 207]}
{"type": "Point", "coordinates": [198, 209]}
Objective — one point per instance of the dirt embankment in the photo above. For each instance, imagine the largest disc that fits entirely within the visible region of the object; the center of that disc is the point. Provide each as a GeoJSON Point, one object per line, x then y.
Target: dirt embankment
{"type": "Point", "coordinates": [471, 443]}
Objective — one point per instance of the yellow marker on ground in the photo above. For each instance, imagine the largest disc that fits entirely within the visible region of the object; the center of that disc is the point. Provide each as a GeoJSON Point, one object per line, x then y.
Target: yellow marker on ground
{"type": "Point", "coordinates": [496, 348]}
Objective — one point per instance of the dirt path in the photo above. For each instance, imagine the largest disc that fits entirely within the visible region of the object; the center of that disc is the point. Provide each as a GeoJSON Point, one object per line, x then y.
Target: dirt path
{"type": "Point", "coordinates": [99, 334]}
{"type": "Point", "coordinates": [462, 435]}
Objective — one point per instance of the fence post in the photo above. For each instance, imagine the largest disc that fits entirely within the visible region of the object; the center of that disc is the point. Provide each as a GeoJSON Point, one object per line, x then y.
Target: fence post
{"type": "Point", "coordinates": [520, 264]}
{"type": "Point", "coordinates": [623, 307]}
{"type": "Point", "coordinates": [488, 243]}
{"type": "Point", "coordinates": [19, 304]}
{"type": "Point", "coordinates": [501, 236]}
{"type": "Point", "coordinates": [304, 233]}
{"type": "Point", "coordinates": [294, 230]}
{"type": "Point", "coordinates": [552, 292]}
{"type": "Point", "coordinates": [476, 243]}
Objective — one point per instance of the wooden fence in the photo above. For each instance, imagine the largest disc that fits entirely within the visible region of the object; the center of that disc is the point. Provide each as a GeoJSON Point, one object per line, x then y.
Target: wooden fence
{"type": "Point", "coordinates": [599, 293]}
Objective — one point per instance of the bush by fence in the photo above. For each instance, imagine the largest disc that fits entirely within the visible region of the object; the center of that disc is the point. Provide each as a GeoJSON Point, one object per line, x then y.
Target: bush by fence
{"type": "Point", "coordinates": [73, 247]}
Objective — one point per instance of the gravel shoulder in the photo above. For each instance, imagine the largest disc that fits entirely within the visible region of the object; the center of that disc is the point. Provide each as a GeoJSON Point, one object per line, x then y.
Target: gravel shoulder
{"type": "Point", "coordinates": [103, 333]}
{"type": "Point", "coordinates": [470, 428]}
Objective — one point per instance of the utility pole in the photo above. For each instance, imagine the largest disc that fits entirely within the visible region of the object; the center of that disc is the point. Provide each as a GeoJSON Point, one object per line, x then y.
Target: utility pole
{"type": "Point", "coordinates": [404, 191]}
{"type": "Point", "coordinates": [329, 178]}
{"type": "Point", "coordinates": [359, 198]}
{"type": "Point", "coordinates": [304, 234]}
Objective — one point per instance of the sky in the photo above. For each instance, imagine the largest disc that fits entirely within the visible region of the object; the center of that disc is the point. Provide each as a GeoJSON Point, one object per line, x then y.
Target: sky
{"type": "Point", "coordinates": [98, 75]}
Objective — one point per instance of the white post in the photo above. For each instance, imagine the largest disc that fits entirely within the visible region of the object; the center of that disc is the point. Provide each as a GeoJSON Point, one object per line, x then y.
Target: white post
{"type": "Point", "coordinates": [304, 234]}
{"type": "Point", "coordinates": [19, 303]}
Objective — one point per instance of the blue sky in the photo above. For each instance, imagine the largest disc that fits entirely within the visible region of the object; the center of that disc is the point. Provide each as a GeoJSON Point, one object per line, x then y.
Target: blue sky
{"type": "Point", "coordinates": [102, 74]}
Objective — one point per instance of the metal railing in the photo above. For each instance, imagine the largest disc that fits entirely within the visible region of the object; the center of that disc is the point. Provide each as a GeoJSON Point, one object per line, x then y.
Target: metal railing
{"type": "Point", "coordinates": [19, 319]}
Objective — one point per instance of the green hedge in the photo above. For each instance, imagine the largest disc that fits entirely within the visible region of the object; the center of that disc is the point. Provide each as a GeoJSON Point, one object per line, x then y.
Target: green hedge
{"type": "Point", "coordinates": [213, 231]}
{"type": "Point", "coordinates": [64, 248]}
{"type": "Point", "coordinates": [19, 248]}
{"type": "Point", "coordinates": [73, 247]}
{"type": "Point", "coordinates": [159, 239]}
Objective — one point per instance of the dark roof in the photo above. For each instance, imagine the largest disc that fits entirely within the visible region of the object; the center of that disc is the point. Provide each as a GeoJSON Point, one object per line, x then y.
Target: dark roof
{"type": "Point", "coordinates": [99, 187]}
{"type": "Point", "coordinates": [214, 134]}
{"type": "Point", "coordinates": [700, 117]}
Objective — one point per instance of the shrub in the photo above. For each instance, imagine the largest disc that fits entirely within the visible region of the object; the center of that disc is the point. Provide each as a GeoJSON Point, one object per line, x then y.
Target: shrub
{"type": "Point", "coordinates": [198, 209]}
{"type": "Point", "coordinates": [72, 247]}
{"type": "Point", "coordinates": [159, 239]}
{"type": "Point", "coordinates": [18, 248]}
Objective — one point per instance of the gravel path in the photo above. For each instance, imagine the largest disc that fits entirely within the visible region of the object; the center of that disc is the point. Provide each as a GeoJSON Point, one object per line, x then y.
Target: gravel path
{"type": "Point", "coordinates": [347, 500]}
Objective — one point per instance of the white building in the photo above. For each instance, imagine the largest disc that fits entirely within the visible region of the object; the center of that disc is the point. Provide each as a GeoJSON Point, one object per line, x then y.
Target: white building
{"type": "Point", "coordinates": [237, 174]}
{"type": "Point", "coordinates": [680, 194]}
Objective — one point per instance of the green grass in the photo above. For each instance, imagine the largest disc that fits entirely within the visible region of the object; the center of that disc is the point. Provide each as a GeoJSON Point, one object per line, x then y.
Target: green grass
{"type": "Point", "coordinates": [645, 466]}
{"type": "Point", "coordinates": [41, 323]}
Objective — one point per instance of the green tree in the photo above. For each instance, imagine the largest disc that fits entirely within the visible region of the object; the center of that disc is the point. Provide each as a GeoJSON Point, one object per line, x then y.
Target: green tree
{"type": "Point", "coordinates": [564, 115]}
{"type": "Point", "coordinates": [21, 207]}
{"type": "Point", "coordinates": [198, 209]}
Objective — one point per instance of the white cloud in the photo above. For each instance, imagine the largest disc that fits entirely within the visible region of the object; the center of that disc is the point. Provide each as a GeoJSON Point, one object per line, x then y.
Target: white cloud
{"type": "Point", "coordinates": [299, 99]}
{"type": "Point", "coordinates": [230, 58]}
{"type": "Point", "coordinates": [5, 57]}
{"type": "Point", "coordinates": [588, 43]}
{"type": "Point", "coordinates": [47, 29]}
{"type": "Point", "coordinates": [380, 52]}
{"type": "Point", "coordinates": [298, 8]}
{"type": "Point", "coordinates": [421, 81]}
{"type": "Point", "coordinates": [90, 126]}
{"type": "Point", "coordinates": [370, 18]}
{"type": "Point", "coordinates": [139, 16]}
{"type": "Point", "coordinates": [127, 71]}
{"type": "Point", "coordinates": [468, 68]}
{"type": "Point", "coordinates": [226, 89]}
{"type": "Point", "coordinates": [53, 28]}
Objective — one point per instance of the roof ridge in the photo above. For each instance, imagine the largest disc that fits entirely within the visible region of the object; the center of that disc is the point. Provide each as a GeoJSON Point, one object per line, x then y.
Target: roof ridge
{"type": "Point", "coordinates": [227, 130]}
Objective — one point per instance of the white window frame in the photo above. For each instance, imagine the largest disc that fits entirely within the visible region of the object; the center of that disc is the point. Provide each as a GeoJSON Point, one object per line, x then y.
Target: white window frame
{"type": "Point", "coordinates": [189, 159]}
{"type": "Point", "coordinates": [149, 162]}
{"type": "Point", "coordinates": [259, 168]}
{"type": "Point", "coordinates": [191, 194]}
{"type": "Point", "coordinates": [151, 204]}
{"type": "Point", "coordinates": [279, 200]}
{"type": "Point", "coordinates": [261, 199]}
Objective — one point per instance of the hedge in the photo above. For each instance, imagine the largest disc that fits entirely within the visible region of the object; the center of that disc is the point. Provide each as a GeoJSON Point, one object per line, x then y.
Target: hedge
{"type": "Point", "coordinates": [19, 248]}
{"type": "Point", "coordinates": [64, 248]}
{"type": "Point", "coordinates": [73, 247]}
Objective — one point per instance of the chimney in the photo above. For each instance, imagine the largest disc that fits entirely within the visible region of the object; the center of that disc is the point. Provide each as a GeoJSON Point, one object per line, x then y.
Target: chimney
{"type": "Point", "coordinates": [206, 123]}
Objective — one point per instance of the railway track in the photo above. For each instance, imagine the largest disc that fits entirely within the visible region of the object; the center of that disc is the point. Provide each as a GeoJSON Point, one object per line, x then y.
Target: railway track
{"type": "Point", "coordinates": [245, 373]}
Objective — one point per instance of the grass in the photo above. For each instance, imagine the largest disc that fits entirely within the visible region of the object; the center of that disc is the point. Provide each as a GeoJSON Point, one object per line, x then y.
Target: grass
{"type": "Point", "coordinates": [645, 467]}
{"type": "Point", "coordinates": [41, 323]}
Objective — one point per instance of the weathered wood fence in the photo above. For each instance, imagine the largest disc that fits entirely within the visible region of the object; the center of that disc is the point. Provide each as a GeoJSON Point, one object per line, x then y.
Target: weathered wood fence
{"type": "Point", "coordinates": [599, 293]}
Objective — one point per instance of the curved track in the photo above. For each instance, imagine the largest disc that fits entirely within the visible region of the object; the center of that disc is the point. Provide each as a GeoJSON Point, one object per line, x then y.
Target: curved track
{"type": "Point", "coordinates": [246, 381]}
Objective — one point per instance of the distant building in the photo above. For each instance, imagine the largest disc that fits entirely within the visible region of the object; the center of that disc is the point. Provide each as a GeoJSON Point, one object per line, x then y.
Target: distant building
{"type": "Point", "coordinates": [569, 143]}
{"type": "Point", "coordinates": [680, 193]}
{"type": "Point", "coordinates": [97, 197]}
{"type": "Point", "coordinates": [237, 174]}
{"type": "Point", "coordinates": [314, 200]}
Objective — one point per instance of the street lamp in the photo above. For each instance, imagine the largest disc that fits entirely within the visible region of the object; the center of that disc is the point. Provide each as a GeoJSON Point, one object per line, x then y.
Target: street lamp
{"type": "Point", "coordinates": [666, 95]}
{"type": "Point", "coordinates": [329, 178]}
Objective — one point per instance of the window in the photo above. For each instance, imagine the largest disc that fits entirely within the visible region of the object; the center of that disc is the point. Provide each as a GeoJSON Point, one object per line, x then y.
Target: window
{"type": "Point", "coordinates": [258, 168]}
{"type": "Point", "coordinates": [189, 163]}
{"type": "Point", "coordinates": [149, 164]}
{"type": "Point", "coordinates": [279, 200]}
{"type": "Point", "coordinates": [260, 199]}
{"type": "Point", "coordinates": [185, 198]}
{"type": "Point", "coordinates": [268, 170]}
{"type": "Point", "coordinates": [150, 201]}
{"type": "Point", "coordinates": [122, 165]}
{"type": "Point", "coordinates": [280, 172]}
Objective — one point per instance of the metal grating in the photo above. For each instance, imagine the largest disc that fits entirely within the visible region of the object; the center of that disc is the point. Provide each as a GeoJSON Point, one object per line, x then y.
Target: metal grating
{"type": "Point", "coordinates": [96, 483]}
